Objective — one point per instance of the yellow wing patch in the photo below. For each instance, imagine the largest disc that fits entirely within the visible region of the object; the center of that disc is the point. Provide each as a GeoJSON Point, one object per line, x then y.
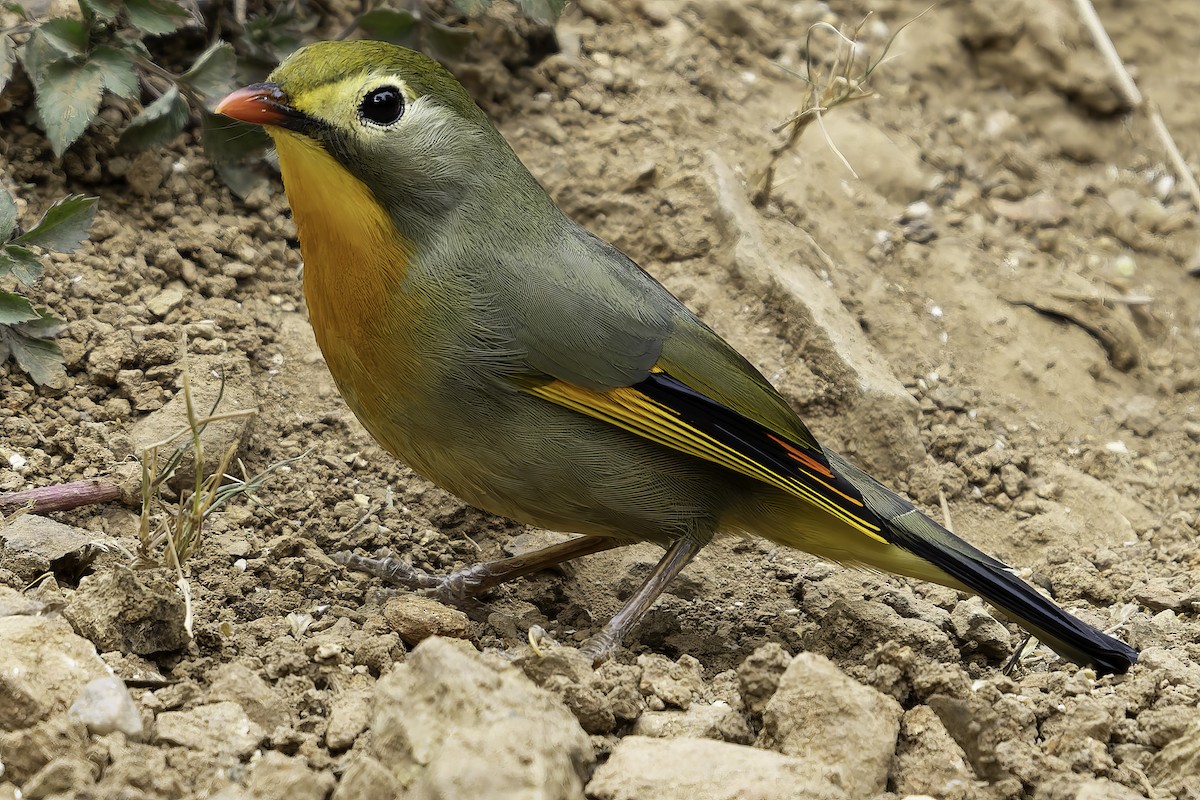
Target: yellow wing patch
{"type": "Point", "coordinates": [628, 408]}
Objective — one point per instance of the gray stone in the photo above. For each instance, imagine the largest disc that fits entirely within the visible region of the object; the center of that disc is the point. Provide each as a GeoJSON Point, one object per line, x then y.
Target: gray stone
{"type": "Point", "coordinates": [837, 726]}
{"type": "Point", "coordinates": [366, 779]}
{"type": "Point", "coordinates": [44, 666]}
{"type": "Point", "coordinates": [702, 769]}
{"type": "Point", "coordinates": [132, 611]}
{"type": "Point", "coordinates": [717, 721]}
{"type": "Point", "coordinates": [214, 728]}
{"type": "Point", "coordinates": [278, 777]}
{"type": "Point", "coordinates": [348, 717]}
{"type": "Point", "coordinates": [450, 722]}
{"type": "Point", "coordinates": [104, 705]}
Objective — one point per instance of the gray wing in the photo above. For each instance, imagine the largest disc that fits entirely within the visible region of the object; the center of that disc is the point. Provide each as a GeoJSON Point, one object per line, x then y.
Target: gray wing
{"type": "Point", "coordinates": [565, 332]}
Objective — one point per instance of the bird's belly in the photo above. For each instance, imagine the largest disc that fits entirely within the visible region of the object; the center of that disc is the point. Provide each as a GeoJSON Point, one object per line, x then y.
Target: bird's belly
{"type": "Point", "coordinates": [533, 461]}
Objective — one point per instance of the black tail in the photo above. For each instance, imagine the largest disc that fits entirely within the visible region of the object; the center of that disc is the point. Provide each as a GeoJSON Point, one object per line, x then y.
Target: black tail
{"type": "Point", "coordinates": [906, 527]}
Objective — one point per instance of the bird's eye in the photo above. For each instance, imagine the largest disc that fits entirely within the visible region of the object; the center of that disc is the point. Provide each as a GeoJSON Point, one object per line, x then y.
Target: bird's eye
{"type": "Point", "coordinates": [383, 106]}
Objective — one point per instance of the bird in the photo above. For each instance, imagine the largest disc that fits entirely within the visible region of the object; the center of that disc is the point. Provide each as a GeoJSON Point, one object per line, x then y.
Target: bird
{"type": "Point", "coordinates": [532, 369]}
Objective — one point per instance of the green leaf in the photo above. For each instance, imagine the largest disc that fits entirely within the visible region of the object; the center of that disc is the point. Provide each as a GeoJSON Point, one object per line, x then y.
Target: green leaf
{"type": "Point", "coordinates": [68, 97]}
{"type": "Point", "coordinates": [67, 36]}
{"type": "Point", "coordinates": [227, 141]}
{"type": "Point", "coordinates": [40, 357]}
{"type": "Point", "coordinates": [36, 55]}
{"type": "Point", "coordinates": [102, 9]}
{"type": "Point", "coordinates": [472, 8]}
{"type": "Point", "coordinates": [64, 225]}
{"type": "Point", "coordinates": [446, 43]}
{"type": "Point", "coordinates": [23, 263]}
{"type": "Point", "coordinates": [14, 309]}
{"type": "Point", "coordinates": [8, 57]}
{"type": "Point", "coordinates": [8, 214]}
{"type": "Point", "coordinates": [240, 180]}
{"type": "Point", "coordinates": [389, 25]}
{"type": "Point", "coordinates": [213, 73]}
{"type": "Point", "coordinates": [17, 9]}
{"type": "Point", "coordinates": [156, 17]}
{"type": "Point", "coordinates": [157, 123]}
{"type": "Point", "coordinates": [544, 11]}
{"type": "Point", "coordinates": [116, 67]}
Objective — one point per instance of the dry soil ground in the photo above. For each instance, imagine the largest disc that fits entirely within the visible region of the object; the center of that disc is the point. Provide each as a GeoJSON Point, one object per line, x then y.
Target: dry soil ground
{"type": "Point", "coordinates": [1012, 258]}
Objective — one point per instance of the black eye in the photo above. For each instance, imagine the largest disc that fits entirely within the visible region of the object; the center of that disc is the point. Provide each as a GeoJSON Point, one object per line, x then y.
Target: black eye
{"type": "Point", "coordinates": [383, 106]}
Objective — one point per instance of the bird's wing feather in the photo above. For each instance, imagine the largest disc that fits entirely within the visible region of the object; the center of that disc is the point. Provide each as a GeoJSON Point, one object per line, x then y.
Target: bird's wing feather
{"type": "Point", "coordinates": [665, 410]}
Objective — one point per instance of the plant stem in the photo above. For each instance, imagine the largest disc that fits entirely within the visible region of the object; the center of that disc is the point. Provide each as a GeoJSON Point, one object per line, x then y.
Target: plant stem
{"type": "Point", "coordinates": [62, 496]}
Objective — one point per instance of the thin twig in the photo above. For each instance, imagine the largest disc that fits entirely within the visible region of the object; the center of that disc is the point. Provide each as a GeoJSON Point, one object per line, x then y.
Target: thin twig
{"type": "Point", "coordinates": [1134, 99]}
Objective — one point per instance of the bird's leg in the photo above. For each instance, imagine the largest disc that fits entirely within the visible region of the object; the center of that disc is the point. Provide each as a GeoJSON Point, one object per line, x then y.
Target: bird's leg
{"type": "Point", "coordinates": [477, 578]}
{"type": "Point", "coordinates": [601, 646]}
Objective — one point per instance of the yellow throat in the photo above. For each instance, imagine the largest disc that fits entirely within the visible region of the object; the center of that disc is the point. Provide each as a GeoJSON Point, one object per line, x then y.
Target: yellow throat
{"type": "Point", "coordinates": [354, 267]}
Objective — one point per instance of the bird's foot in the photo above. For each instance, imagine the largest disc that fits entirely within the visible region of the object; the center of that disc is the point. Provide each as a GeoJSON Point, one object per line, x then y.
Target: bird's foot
{"type": "Point", "coordinates": [602, 646]}
{"type": "Point", "coordinates": [457, 588]}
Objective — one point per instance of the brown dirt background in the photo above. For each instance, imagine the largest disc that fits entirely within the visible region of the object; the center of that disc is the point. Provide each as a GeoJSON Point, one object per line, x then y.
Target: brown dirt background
{"type": "Point", "coordinates": [1067, 443]}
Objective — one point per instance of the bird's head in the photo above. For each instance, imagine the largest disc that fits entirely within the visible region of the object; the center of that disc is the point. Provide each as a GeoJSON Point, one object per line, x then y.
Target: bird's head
{"type": "Point", "coordinates": [393, 118]}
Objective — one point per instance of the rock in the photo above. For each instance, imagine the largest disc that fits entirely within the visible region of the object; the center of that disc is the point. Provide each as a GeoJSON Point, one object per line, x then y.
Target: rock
{"type": "Point", "coordinates": [675, 683]}
{"type": "Point", "coordinates": [349, 716]}
{"type": "Point", "coordinates": [1077, 787]}
{"type": "Point", "coordinates": [759, 675]}
{"type": "Point", "coordinates": [883, 415]}
{"type": "Point", "coordinates": [450, 722]}
{"type": "Point", "coordinates": [64, 776]}
{"type": "Point", "coordinates": [701, 769]}
{"type": "Point", "coordinates": [138, 612]}
{"type": "Point", "coordinates": [416, 618]}
{"type": "Point", "coordinates": [263, 704]}
{"type": "Point", "coordinates": [32, 545]}
{"type": "Point", "coordinates": [170, 297]}
{"type": "Point", "coordinates": [279, 777]}
{"type": "Point", "coordinates": [366, 779]}
{"type": "Point", "coordinates": [220, 728]}
{"type": "Point", "coordinates": [717, 721]}
{"type": "Point", "coordinates": [226, 376]}
{"type": "Point", "coordinates": [105, 706]}
{"type": "Point", "coordinates": [834, 724]}
{"type": "Point", "coordinates": [1178, 763]}
{"type": "Point", "coordinates": [929, 762]}
{"type": "Point", "coordinates": [24, 752]}
{"type": "Point", "coordinates": [972, 623]}
{"type": "Point", "coordinates": [43, 668]}
{"type": "Point", "coordinates": [855, 628]}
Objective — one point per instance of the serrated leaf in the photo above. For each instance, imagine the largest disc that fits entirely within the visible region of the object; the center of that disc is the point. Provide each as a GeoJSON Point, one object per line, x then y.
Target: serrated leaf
{"type": "Point", "coordinates": [390, 25]}
{"type": "Point", "coordinates": [41, 358]}
{"type": "Point", "coordinates": [35, 56]}
{"type": "Point", "coordinates": [23, 263]}
{"type": "Point", "coordinates": [156, 17]}
{"type": "Point", "coordinates": [15, 309]}
{"type": "Point", "coordinates": [472, 8]}
{"type": "Point", "coordinates": [544, 11]}
{"type": "Point", "coordinates": [67, 36]}
{"type": "Point", "coordinates": [8, 214]}
{"type": "Point", "coordinates": [212, 74]}
{"type": "Point", "coordinates": [446, 43]}
{"type": "Point", "coordinates": [102, 9]}
{"type": "Point", "coordinates": [227, 141]}
{"type": "Point", "coordinates": [157, 123]}
{"type": "Point", "coordinates": [116, 67]}
{"type": "Point", "coordinates": [68, 97]}
{"type": "Point", "coordinates": [8, 57]}
{"type": "Point", "coordinates": [64, 225]}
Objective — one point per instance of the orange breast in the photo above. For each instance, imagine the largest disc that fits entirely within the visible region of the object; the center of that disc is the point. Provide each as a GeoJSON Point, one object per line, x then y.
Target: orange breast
{"type": "Point", "coordinates": [354, 267]}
